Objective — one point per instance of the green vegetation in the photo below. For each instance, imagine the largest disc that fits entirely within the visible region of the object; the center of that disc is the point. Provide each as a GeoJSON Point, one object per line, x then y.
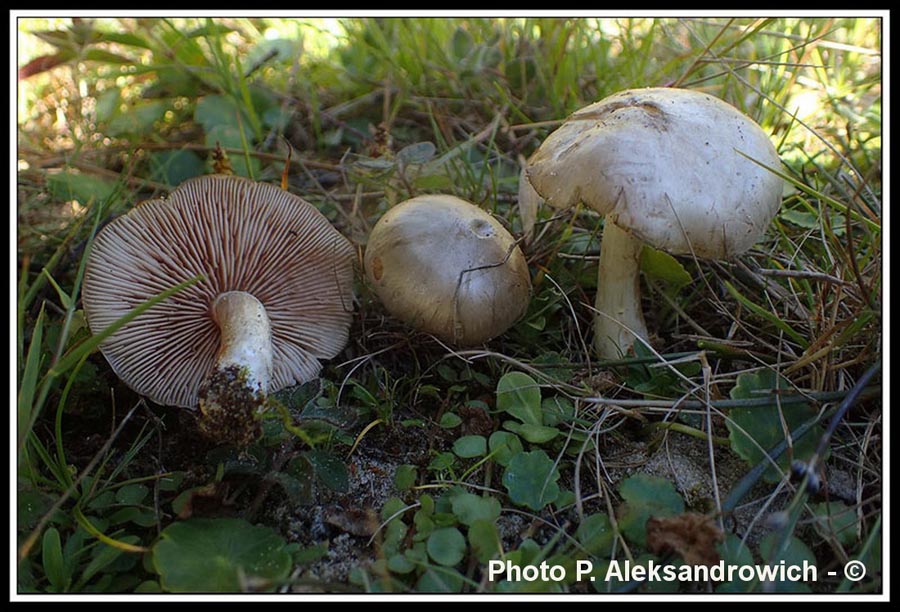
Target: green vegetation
{"type": "Point", "coordinates": [409, 467]}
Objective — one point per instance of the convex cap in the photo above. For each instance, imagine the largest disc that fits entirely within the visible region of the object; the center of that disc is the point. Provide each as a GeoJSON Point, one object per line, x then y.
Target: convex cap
{"type": "Point", "coordinates": [680, 169]}
{"type": "Point", "coordinates": [447, 267]}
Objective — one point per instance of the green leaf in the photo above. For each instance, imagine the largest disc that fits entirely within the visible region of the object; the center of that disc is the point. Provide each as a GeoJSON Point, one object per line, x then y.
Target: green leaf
{"type": "Point", "coordinates": [63, 39]}
{"type": "Point", "coordinates": [838, 520]}
{"type": "Point", "coordinates": [646, 496]}
{"type": "Point", "coordinates": [417, 153]}
{"type": "Point", "coordinates": [520, 396]}
{"type": "Point", "coordinates": [330, 470]}
{"type": "Point", "coordinates": [595, 534]}
{"type": "Point", "coordinates": [175, 167]}
{"type": "Point", "coordinates": [734, 553]}
{"type": "Point", "coordinates": [555, 366]}
{"type": "Point", "coordinates": [81, 187]}
{"type": "Point", "coordinates": [132, 494]}
{"type": "Point", "coordinates": [504, 446]}
{"type": "Point", "coordinates": [434, 182]}
{"type": "Point", "coordinates": [440, 580]}
{"type": "Point", "coordinates": [442, 461]}
{"type": "Point", "coordinates": [137, 120]}
{"type": "Point", "coordinates": [470, 508]}
{"type": "Point", "coordinates": [133, 514]}
{"type": "Point", "coordinates": [813, 220]}
{"type": "Point", "coordinates": [449, 420]}
{"type": "Point", "coordinates": [755, 430]}
{"type": "Point", "coordinates": [216, 555]}
{"type": "Point", "coordinates": [536, 434]}
{"type": "Point", "coordinates": [531, 479]}
{"type": "Point", "coordinates": [103, 556]}
{"type": "Point", "coordinates": [310, 554]}
{"type": "Point", "coordinates": [391, 507]}
{"type": "Point", "coordinates": [470, 446]}
{"type": "Point", "coordinates": [557, 410]}
{"type": "Point", "coordinates": [298, 488]}
{"type": "Point", "coordinates": [216, 111]}
{"type": "Point", "coordinates": [659, 265]}
{"type": "Point", "coordinates": [484, 540]}
{"type": "Point", "coordinates": [31, 506]}
{"type": "Point", "coordinates": [52, 560]}
{"type": "Point", "coordinates": [107, 105]}
{"type": "Point", "coordinates": [424, 524]}
{"type": "Point", "coordinates": [172, 481]}
{"type": "Point", "coordinates": [794, 553]}
{"type": "Point", "coordinates": [400, 564]}
{"type": "Point", "coordinates": [276, 118]}
{"type": "Point", "coordinates": [405, 477]}
{"type": "Point", "coordinates": [446, 546]}
{"type": "Point", "coordinates": [462, 43]}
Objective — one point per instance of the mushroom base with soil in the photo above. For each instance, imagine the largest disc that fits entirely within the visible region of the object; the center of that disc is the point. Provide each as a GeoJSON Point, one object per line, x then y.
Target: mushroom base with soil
{"type": "Point", "coordinates": [230, 407]}
{"type": "Point", "coordinates": [235, 393]}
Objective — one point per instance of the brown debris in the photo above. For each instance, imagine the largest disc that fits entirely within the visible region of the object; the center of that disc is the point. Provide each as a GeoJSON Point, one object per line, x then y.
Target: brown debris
{"type": "Point", "coordinates": [691, 535]}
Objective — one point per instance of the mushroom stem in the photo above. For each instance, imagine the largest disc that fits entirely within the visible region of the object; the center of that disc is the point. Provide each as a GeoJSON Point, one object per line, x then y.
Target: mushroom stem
{"type": "Point", "coordinates": [236, 391]}
{"type": "Point", "coordinates": [246, 337]}
{"type": "Point", "coordinates": [618, 317]}
{"type": "Point", "coordinates": [529, 202]}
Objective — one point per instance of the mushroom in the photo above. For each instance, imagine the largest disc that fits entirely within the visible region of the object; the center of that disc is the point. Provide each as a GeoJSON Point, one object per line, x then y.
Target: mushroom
{"type": "Point", "coordinates": [275, 298]}
{"type": "Point", "coordinates": [448, 268]}
{"type": "Point", "coordinates": [677, 169]}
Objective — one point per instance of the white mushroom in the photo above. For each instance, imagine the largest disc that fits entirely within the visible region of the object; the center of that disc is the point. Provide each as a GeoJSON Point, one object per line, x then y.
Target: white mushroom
{"type": "Point", "coordinates": [448, 268]}
{"type": "Point", "coordinates": [677, 169]}
{"type": "Point", "coordinates": [275, 299]}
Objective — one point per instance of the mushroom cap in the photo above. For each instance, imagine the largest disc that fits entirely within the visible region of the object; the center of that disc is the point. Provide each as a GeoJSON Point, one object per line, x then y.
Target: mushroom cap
{"type": "Point", "coordinates": [241, 236]}
{"type": "Point", "coordinates": [668, 165]}
{"type": "Point", "coordinates": [448, 268]}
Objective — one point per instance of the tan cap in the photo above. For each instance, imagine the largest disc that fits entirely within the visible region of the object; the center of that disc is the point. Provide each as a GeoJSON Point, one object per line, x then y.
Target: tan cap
{"type": "Point", "coordinates": [242, 236]}
{"type": "Point", "coordinates": [448, 268]}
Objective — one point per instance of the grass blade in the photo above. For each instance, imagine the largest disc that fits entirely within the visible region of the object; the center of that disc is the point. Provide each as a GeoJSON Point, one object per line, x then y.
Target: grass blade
{"type": "Point", "coordinates": [76, 353]}
{"type": "Point", "coordinates": [30, 377]}
{"type": "Point", "coordinates": [768, 316]}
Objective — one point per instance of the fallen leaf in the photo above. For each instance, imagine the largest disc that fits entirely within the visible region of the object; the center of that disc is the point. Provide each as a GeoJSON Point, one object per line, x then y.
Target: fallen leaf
{"type": "Point", "coordinates": [353, 521]}
{"type": "Point", "coordinates": [691, 535]}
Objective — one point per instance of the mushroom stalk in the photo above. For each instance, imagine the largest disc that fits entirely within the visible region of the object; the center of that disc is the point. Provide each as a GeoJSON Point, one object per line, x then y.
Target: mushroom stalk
{"type": "Point", "coordinates": [618, 318]}
{"type": "Point", "coordinates": [236, 391]}
{"type": "Point", "coordinates": [246, 337]}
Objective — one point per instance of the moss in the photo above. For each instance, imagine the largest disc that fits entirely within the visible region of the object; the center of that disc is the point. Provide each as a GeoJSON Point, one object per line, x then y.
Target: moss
{"type": "Point", "coordinates": [230, 408]}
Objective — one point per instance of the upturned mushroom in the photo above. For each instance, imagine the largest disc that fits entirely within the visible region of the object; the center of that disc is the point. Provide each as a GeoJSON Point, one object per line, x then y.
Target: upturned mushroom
{"type": "Point", "coordinates": [448, 268]}
{"type": "Point", "coordinates": [680, 170]}
{"type": "Point", "coordinates": [276, 297]}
